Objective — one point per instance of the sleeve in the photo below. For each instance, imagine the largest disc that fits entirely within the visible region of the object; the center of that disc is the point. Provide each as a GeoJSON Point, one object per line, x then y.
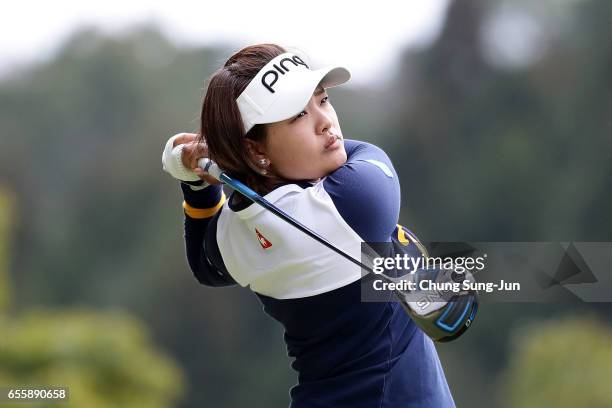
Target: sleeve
{"type": "Point", "coordinates": [366, 191]}
{"type": "Point", "coordinates": [201, 210]}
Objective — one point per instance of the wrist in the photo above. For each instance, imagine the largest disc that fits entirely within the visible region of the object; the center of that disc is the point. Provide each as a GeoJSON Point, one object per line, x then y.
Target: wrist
{"type": "Point", "coordinates": [196, 185]}
{"type": "Point", "coordinates": [203, 196]}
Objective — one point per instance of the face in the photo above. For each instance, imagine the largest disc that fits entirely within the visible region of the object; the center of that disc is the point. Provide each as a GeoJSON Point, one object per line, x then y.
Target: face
{"type": "Point", "coordinates": [307, 146]}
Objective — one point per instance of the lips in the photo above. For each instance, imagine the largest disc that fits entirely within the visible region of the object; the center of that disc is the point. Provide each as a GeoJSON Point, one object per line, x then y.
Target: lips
{"type": "Point", "coordinates": [331, 140]}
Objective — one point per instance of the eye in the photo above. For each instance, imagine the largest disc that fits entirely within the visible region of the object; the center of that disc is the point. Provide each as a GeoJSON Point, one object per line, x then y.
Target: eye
{"type": "Point", "coordinates": [304, 113]}
{"type": "Point", "coordinates": [299, 115]}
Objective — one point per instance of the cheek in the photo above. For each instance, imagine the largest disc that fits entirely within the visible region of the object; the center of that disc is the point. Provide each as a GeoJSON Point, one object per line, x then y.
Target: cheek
{"type": "Point", "coordinates": [286, 148]}
{"type": "Point", "coordinates": [286, 153]}
{"type": "Point", "coordinates": [285, 143]}
{"type": "Point", "coordinates": [299, 155]}
{"type": "Point", "coordinates": [297, 158]}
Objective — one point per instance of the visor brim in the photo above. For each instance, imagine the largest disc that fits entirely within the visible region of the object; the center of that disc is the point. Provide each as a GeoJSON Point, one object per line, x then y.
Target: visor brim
{"type": "Point", "coordinates": [297, 94]}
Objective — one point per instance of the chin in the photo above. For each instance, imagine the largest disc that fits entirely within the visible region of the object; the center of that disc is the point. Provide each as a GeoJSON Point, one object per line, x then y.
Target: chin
{"type": "Point", "coordinates": [341, 157]}
{"type": "Point", "coordinates": [334, 162]}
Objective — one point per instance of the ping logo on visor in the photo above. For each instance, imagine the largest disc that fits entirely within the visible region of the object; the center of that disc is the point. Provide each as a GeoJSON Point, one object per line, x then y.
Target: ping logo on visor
{"type": "Point", "coordinates": [282, 68]}
{"type": "Point", "coordinates": [282, 88]}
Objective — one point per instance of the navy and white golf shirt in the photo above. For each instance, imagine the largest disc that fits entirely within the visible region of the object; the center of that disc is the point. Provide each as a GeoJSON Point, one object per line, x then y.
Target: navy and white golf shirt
{"type": "Point", "coordinates": [347, 353]}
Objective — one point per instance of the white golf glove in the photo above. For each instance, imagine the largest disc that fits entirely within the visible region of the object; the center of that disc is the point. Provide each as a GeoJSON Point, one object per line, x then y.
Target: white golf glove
{"type": "Point", "coordinates": [172, 164]}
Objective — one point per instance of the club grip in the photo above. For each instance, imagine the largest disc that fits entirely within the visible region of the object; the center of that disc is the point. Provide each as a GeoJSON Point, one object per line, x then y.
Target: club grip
{"type": "Point", "coordinates": [210, 167]}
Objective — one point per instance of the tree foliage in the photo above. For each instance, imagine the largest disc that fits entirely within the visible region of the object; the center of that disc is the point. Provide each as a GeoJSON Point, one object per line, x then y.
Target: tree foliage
{"type": "Point", "coordinates": [6, 217]}
{"type": "Point", "coordinates": [564, 362]}
{"type": "Point", "coordinates": [105, 359]}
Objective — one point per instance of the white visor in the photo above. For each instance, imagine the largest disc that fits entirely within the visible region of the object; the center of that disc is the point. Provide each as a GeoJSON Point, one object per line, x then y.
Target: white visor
{"type": "Point", "coordinates": [282, 89]}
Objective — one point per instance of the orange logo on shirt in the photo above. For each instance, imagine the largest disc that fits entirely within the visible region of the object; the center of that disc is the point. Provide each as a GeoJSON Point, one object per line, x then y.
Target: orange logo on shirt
{"type": "Point", "coordinates": [265, 244]}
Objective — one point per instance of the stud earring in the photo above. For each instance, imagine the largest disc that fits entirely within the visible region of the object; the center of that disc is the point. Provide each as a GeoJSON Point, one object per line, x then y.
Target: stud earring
{"type": "Point", "coordinates": [263, 163]}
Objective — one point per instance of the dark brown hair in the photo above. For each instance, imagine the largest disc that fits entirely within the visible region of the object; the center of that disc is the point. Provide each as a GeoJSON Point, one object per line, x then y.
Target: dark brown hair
{"type": "Point", "coordinates": [221, 123]}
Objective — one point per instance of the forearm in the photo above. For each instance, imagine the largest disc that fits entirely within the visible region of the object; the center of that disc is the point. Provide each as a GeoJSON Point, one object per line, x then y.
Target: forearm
{"type": "Point", "coordinates": [199, 208]}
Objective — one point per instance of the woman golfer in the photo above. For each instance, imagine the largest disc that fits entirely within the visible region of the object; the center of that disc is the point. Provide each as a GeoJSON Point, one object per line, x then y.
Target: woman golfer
{"type": "Point", "coordinates": [268, 122]}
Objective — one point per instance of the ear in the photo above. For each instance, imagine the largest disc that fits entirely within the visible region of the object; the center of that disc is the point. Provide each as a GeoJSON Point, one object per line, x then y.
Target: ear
{"type": "Point", "coordinates": [256, 150]}
{"type": "Point", "coordinates": [257, 154]}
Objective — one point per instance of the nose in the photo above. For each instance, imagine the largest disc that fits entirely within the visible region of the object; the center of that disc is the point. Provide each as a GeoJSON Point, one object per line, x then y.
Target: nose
{"type": "Point", "coordinates": [324, 121]}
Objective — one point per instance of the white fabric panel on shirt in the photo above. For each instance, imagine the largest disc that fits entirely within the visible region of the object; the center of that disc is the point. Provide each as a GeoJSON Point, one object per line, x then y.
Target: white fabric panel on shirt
{"type": "Point", "coordinates": [295, 265]}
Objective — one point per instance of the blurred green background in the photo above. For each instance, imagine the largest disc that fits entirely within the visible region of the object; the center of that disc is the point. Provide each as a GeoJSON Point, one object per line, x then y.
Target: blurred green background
{"type": "Point", "coordinates": [492, 143]}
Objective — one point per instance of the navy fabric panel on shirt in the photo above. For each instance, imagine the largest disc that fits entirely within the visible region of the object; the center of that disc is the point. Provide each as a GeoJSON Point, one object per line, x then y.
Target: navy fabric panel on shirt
{"type": "Point", "coordinates": [341, 346]}
{"type": "Point", "coordinates": [366, 197]}
{"type": "Point", "coordinates": [351, 353]}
